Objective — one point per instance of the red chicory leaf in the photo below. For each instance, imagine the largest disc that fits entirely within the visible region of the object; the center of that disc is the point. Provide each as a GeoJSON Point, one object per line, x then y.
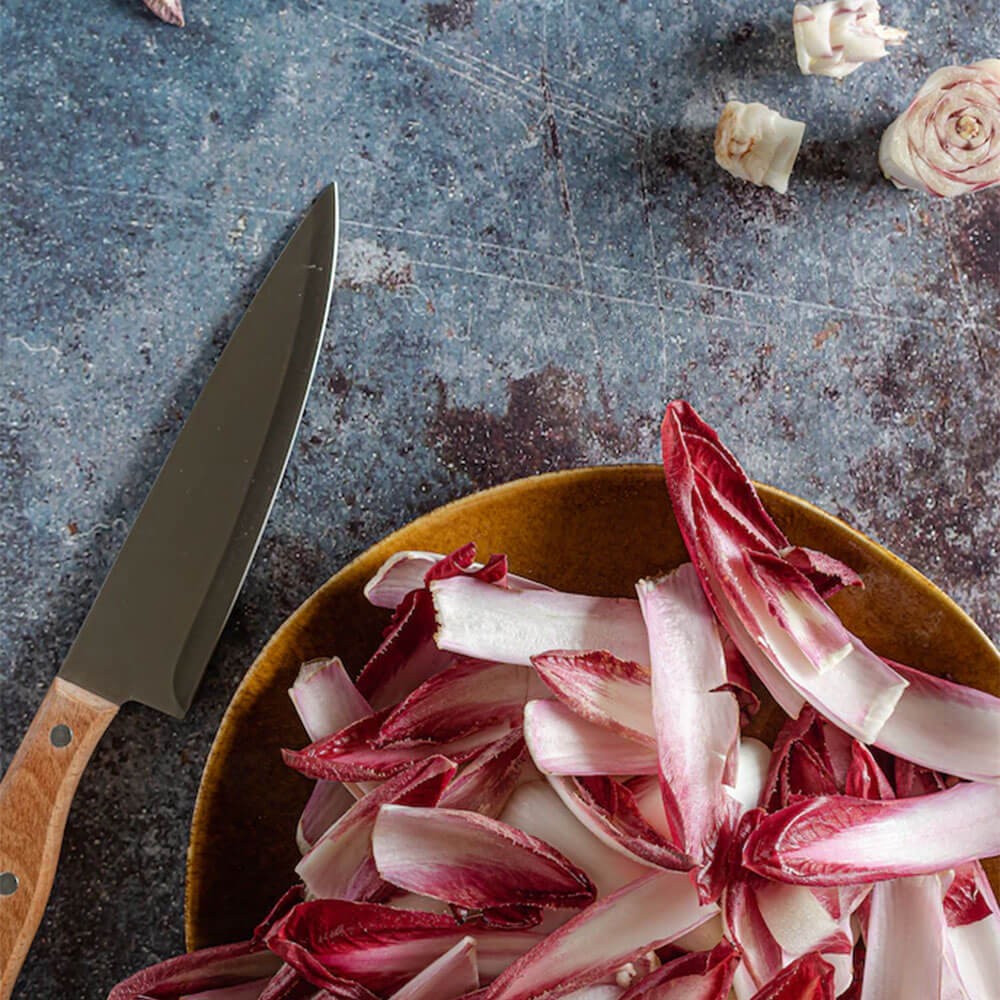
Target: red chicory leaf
{"type": "Point", "coordinates": [328, 801]}
{"type": "Point", "coordinates": [827, 574]}
{"type": "Point", "coordinates": [561, 742]}
{"type": "Point", "coordinates": [326, 699]}
{"type": "Point", "coordinates": [341, 864]}
{"type": "Point", "coordinates": [701, 975]}
{"type": "Point", "coordinates": [697, 726]}
{"type": "Point", "coordinates": [945, 726]}
{"type": "Point", "coordinates": [771, 610]}
{"type": "Point", "coordinates": [210, 968]}
{"type": "Point", "coordinates": [287, 984]}
{"type": "Point", "coordinates": [486, 781]}
{"type": "Point", "coordinates": [511, 626]}
{"type": "Point", "coordinates": [738, 680]}
{"type": "Point", "coordinates": [412, 570]}
{"type": "Point", "coordinates": [602, 689]}
{"type": "Point", "coordinates": [168, 11]}
{"type": "Point", "coordinates": [640, 917]}
{"type": "Point", "coordinates": [464, 698]}
{"type": "Point", "coordinates": [407, 656]}
{"type": "Point", "coordinates": [535, 808]}
{"type": "Point", "coordinates": [456, 972]}
{"type": "Point", "coordinates": [608, 809]}
{"type": "Point", "coordinates": [968, 897]}
{"type": "Point", "coordinates": [904, 939]}
{"type": "Point", "coordinates": [807, 978]}
{"type": "Point", "coordinates": [354, 754]}
{"type": "Point", "coordinates": [865, 779]}
{"type": "Point", "coordinates": [380, 948]}
{"type": "Point", "coordinates": [913, 779]}
{"type": "Point", "coordinates": [244, 991]}
{"type": "Point", "coordinates": [838, 840]}
{"type": "Point", "coordinates": [473, 861]}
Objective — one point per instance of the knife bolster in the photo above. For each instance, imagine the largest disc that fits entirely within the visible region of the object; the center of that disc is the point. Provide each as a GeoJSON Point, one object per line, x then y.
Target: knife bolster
{"type": "Point", "coordinates": [35, 796]}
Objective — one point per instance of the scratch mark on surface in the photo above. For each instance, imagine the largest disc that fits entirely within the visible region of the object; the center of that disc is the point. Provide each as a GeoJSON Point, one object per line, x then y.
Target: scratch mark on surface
{"type": "Point", "coordinates": [36, 348]}
{"type": "Point", "coordinates": [506, 87]}
{"type": "Point", "coordinates": [567, 203]}
{"type": "Point", "coordinates": [513, 252]}
{"type": "Point", "coordinates": [599, 296]}
{"type": "Point", "coordinates": [966, 325]}
{"type": "Point", "coordinates": [654, 255]}
{"type": "Point", "coordinates": [615, 124]}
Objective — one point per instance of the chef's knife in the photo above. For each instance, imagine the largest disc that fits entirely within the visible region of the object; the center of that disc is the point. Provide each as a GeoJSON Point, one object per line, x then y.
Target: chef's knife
{"type": "Point", "coordinates": [156, 620]}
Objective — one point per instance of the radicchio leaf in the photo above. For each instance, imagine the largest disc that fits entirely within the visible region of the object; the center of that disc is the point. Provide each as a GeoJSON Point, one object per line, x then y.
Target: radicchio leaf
{"type": "Point", "coordinates": [702, 975]}
{"type": "Point", "coordinates": [464, 698]}
{"type": "Point", "coordinates": [511, 626]}
{"type": "Point", "coordinates": [326, 699]}
{"type": "Point", "coordinates": [697, 726]}
{"type": "Point", "coordinates": [341, 863]}
{"type": "Point", "coordinates": [537, 810]}
{"type": "Point", "coordinates": [835, 840]}
{"type": "Point", "coordinates": [473, 861]}
{"type": "Point", "coordinates": [563, 743]}
{"type": "Point", "coordinates": [357, 754]}
{"type": "Point", "coordinates": [244, 991]}
{"type": "Point", "coordinates": [338, 944]}
{"type": "Point", "coordinates": [602, 689]}
{"type": "Point", "coordinates": [210, 968]}
{"type": "Point", "coordinates": [608, 809]}
{"type": "Point", "coordinates": [328, 801]}
{"type": "Point", "coordinates": [904, 940]}
{"type": "Point", "coordinates": [807, 978]}
{"type": "Point", "coordinates": [454, 973]}
{"type": "Point", "coordinates": [406, 571]}
{"type": "Point", "coordinates": [945, 726]}
{"type": "Point", "coordinates": [486, 781]}
{"type": "Point", "coordinates": [407, 656]}
{"type": "Point", "coordinates": [770, 608]}
{"type": "Point", "coordinates": [644, 915]}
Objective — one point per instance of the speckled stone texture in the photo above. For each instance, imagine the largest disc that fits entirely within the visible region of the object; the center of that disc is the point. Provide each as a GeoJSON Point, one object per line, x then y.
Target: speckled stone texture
{"type": "Point", "coordinates": [537, 253]}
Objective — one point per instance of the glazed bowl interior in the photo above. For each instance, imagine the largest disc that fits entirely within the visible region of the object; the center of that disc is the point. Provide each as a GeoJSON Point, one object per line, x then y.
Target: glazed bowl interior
{"type": "Point", "coordinates": [589, 530]}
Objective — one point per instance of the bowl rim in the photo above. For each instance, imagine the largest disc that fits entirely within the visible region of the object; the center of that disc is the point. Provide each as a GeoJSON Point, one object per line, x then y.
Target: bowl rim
{"type": "Point", "coordinates": [387, 544]}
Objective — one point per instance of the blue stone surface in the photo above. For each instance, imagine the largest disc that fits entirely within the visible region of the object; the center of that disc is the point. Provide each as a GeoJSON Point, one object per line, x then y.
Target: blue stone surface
{"type": "Point", "coordinates": [537, 253]}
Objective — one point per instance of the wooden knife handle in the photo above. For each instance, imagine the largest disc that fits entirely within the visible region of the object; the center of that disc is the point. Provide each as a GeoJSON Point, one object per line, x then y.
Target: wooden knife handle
{"type": "Point", "coordinates": [35, 796]}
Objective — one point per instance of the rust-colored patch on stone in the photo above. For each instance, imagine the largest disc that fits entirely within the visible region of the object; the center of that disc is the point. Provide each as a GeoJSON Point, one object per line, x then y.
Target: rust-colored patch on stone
{"type": "Point", "coordinates": [932, 503]}
{"type": "Point", "coordinates": [977, 239]}
{"type": "Point", "coordinates": [552, 421]}
{"type": "Point", "coordinates": [73, 528]}
{"type": "Point", "coordinates": [829, 330]}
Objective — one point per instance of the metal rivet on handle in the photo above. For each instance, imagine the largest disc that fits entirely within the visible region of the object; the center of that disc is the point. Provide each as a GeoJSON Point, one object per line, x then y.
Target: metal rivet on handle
{"type": "Point", "coordinates": [61, 736]}
{"type": "Point", "coordinates": [8, 883]}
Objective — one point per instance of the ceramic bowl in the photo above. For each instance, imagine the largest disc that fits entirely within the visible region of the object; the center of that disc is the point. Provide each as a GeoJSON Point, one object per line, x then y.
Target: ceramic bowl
{"type": "Point", "coordinates": [592, 531]}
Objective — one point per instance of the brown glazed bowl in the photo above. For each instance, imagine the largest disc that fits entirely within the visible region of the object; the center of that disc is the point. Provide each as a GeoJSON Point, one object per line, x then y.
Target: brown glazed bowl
{"type": "Point", "coordinates": [592, 531]}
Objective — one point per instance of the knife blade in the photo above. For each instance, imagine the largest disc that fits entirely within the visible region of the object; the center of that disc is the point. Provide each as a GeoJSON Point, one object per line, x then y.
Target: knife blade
{"type": "Point", "coordinates": [161, 610]}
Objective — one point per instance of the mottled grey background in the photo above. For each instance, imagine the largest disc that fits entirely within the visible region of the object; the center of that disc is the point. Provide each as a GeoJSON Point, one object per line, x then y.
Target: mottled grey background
{"type": "Point", "coordinates": [537, 253]}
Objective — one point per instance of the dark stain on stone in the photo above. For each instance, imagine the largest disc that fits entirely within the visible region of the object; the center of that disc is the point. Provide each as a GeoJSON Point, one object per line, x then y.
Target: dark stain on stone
{"type": "Point", "coordinates": [454, 15]}
{"type": "Point", "coordinates": [552, 145]}
{"type": "Point", "coordinates": [756, 376]}
{"type": "Point", "coordinates": [338, 383]}
{"type": "Point", "coordinates": [977, 239]}
{"type": "Point", "coordinates": [932, 503]}
{"type": "Point", "coordinates": [666, 152]}
{"type": "Point", "coordinates": [853, 160]}
{"type": "Point", "coordinates": [552, 421]}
